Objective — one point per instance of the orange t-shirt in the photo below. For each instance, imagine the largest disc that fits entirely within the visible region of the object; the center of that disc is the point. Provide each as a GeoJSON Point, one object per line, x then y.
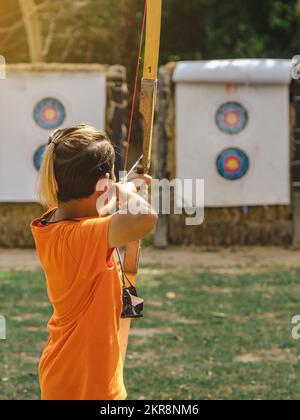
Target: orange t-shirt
{"type": "Point", "coordinates": [82, 359]}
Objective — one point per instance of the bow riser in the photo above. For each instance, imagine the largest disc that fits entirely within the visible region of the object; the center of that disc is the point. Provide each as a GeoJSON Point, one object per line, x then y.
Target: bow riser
{"type": "Point", "coordinates": [147, 110]}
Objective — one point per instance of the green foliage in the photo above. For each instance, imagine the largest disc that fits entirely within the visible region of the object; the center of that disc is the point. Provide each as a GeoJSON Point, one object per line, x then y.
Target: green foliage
{"type": "Point", "coordinates": [234, 29]}
{"type": "Point", "coordinates": [107, 31]}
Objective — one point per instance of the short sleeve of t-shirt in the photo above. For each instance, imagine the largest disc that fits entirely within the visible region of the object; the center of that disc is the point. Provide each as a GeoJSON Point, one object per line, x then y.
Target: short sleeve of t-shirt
{"type": "Point", "coordinates": [93, 237]}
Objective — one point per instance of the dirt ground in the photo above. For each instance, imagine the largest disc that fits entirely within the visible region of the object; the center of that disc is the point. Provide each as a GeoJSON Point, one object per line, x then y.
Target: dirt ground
{"type": "Point", "coordinates": [230, 260]}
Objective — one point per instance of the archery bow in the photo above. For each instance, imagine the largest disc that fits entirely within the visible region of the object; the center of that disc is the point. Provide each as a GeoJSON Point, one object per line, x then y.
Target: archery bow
{"type": "Point", "coordinates": [152, 13]}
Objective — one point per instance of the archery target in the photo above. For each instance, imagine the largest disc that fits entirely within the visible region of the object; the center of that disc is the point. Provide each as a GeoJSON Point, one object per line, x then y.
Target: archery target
{"type": "Point", "coordinates": [41, 102]}
{"type": "Point", "coordinates": [236, 140]}
{"type": "Point", "coordinates": [231, 118]}
{"type": "Point", "coordinates": [232, 164]}
{"type": "Point", "coordinates": [38, 157]}
{"type": "Point", "coordinates": [49, 113]}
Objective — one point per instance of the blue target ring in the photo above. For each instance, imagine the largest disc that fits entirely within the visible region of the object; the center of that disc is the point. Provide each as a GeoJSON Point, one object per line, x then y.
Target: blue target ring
{"type": "Point", "coordinates": [38, 157]}
{"type": "Point", "coordinates": [233, 164]}
{"type": "Point", "coordinates": [49, 113]}
{"type": "Point", "coordinates": [232, 118]}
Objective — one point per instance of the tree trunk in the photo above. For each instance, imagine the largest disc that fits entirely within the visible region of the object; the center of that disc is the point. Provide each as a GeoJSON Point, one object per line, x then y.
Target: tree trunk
{"type": "Point", "coordinates": [33, 30]}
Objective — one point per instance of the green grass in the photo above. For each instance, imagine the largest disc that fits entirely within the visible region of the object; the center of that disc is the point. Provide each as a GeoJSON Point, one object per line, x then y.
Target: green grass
{"type": "Point", "coordinates": [204, 336]}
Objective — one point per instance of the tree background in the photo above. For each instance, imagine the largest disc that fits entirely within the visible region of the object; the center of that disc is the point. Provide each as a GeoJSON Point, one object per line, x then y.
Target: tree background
{"type": "Point", "coordinates": [107, 31]}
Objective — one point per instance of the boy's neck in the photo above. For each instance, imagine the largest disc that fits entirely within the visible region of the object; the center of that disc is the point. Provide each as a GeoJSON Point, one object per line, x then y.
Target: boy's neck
{"type": "Point", "coordinates": [76, 209]}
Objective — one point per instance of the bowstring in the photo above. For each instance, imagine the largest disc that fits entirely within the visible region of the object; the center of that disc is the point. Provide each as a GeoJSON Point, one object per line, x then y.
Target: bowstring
{"type": "Point", "coordinates": [138, 66]}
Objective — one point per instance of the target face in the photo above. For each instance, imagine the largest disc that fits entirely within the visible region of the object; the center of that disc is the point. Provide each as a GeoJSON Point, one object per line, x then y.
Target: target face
{"type": "Point", "coordinates": [231, 118]}
{"type": "Point", "coordinates": [38, 157]}
{"type": "Point", "coordinates": [49, 113]}
{"type": "Point", "coordinates": [233, 164]}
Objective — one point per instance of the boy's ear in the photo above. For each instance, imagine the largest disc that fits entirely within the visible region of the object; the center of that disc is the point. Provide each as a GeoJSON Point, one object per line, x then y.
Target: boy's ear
{"type": "Point", "coordinates": [103, 183]}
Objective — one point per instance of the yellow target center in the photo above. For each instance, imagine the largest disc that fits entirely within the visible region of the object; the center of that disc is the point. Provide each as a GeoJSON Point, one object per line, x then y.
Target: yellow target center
{"type": "Point", "coordinates": [232, 164]}
{"type": "Point", "coordinates": [50, 114]}
{"type": "Point", "coordinates": [232, 118]}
